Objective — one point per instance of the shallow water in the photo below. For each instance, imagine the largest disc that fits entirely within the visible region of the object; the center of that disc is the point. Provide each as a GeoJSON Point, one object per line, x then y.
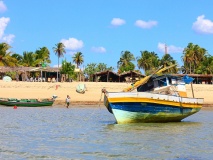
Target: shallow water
{"type": "Point", "coordinates": [91, 133]}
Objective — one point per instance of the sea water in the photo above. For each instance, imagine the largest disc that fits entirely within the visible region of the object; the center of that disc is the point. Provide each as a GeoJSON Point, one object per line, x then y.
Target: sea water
{"type": "Point", "coordinates": [82, 132]}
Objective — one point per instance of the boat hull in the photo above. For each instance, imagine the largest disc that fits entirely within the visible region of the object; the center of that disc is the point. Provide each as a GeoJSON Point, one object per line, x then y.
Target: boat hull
{"type": "Point", "coordinates": [148, 107]}
{"type": "Point", "coordinates": [26, 104]}
{"type": "Point", "coordinates": [149, 112]}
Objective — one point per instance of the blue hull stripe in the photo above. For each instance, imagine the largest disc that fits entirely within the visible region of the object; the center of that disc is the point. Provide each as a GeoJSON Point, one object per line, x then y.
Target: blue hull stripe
{"type": "Point", "coordinates": [126, 112]}
{"type": "Point", "coordinates": [148, 108]}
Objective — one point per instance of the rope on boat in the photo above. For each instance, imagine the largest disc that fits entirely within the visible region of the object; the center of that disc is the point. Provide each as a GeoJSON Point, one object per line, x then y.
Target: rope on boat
{"type": "Point", "coordinates": [103, 91]}
{"type": "Point", "coordinates": [100, 99]}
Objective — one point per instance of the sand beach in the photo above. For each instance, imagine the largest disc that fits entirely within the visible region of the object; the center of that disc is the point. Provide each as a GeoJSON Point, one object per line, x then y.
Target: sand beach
{"type": "Point", "coordinates": [91, 97]}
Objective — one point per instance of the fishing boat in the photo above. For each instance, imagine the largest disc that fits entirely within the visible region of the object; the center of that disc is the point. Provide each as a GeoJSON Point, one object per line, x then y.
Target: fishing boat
{"type": "Point", "coordinates": [26, 102]}
{"type": "Point", "coordinates": [155, 98]}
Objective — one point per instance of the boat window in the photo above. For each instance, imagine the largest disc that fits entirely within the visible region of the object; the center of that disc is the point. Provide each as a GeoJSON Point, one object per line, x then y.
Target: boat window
{"type": "Point", "coordinates": [146, 87]}
{"type": "Point", "coordinates": [162, 82]}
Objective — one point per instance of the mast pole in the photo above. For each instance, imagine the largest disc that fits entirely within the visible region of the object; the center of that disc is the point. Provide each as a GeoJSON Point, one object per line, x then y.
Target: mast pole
{"type": "Point", "coordinates": [192, 90]}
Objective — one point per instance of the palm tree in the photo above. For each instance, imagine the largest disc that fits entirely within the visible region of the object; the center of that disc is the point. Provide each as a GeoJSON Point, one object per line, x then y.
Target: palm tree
{"type": "Point", "coordinates": [206, 66]}
{"type": "Point", "coordinates": [125, 61]}
{"type": "Point", "coordinates": [167, 60]}
{"type": "Point", "coordinates": [148, 61]}
{"type": "Point", "coordinates": [42, 56]}
{"type": "Point", "coordinates": [78, 59]}
{"type": "Point", "coordinates": [59, 50]}
{"type": "Point", "coordinates": [28, 59]}
{"type": "Point", "coordinates": [18, 57]}
{"type": "Point", "coordinates": [192, 57]}
{"type": "Point", "coordinates": [5, 56]}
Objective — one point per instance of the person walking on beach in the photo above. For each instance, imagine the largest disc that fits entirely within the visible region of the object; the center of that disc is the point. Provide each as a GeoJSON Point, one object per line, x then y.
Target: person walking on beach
{"type": "Point", "coordinates": [68, 101]}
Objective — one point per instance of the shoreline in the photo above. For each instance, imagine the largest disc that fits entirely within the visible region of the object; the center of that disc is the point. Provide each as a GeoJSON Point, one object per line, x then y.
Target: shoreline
{"type": "Point", "coordinates": [92, 96]}
{"type": "Point", "coordinates": [97, 103]}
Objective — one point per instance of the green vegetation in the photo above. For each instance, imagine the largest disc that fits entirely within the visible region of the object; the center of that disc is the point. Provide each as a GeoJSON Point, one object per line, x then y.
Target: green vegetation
{"type": "Point", "coordinates": [5, 56]}
{"type": "Point", "coordinates": [125, 63]}
{"type": "Point", "coordinates": [92, 68]}
{"type": "Point", "coordinates": [196, 60]}
{"type": "Point", "coordinates": [68, 69]}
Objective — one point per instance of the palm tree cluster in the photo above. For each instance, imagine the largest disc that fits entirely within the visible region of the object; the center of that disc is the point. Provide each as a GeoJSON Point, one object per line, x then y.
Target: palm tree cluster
{"type": "Point", "coordinates": [148, 61]}
{"type": "Point", "coordinates": [29, 59]}
{"type": "Point", "coordinates": [196, 60]}
{"type": "Point", "coordinates": [40, 57]}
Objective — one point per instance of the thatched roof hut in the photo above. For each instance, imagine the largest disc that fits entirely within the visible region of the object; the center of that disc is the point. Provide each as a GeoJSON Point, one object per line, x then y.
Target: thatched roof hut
{"type": "Point", "coordinates": [109, 76]}
{"type": "Point", "coordinates": [130, 76]}
{"type": "Point", "coordinates": [106, 76]}
{"type": "Point", "coordinates": [4, 69]}
{"type": "Point", "coordinates": [24, 72]}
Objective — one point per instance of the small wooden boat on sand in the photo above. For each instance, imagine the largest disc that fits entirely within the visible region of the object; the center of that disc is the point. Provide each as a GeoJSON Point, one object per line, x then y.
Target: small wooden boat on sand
{"type": "Point", "coordinates": [26, 102]}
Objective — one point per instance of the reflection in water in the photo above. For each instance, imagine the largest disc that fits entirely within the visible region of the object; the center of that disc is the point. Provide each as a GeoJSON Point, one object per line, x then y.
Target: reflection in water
{"type": "Point", "coordinates": [91, 133]}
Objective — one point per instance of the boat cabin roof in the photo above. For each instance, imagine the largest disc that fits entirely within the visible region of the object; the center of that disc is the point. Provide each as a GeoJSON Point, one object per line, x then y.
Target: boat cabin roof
{"type": "Point", "coordinates": [160, 77]}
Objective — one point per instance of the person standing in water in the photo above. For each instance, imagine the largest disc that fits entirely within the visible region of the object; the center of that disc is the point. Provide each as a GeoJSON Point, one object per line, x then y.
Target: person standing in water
{"type": "Point", "coordinates": [68, 101]}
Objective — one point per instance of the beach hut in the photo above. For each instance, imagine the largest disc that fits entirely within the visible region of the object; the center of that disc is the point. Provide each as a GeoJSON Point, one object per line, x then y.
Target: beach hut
{"type": "Point", "coordinates": [130, 76]}
{"type": "Point", "coordinates": [105, 76]}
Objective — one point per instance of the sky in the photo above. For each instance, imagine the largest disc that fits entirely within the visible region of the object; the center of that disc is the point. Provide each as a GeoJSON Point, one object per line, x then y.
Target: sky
{"type": "Point", "coordinates": [102, 29]}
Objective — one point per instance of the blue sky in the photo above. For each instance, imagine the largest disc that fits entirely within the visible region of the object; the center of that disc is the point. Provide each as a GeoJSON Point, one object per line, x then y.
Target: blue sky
{"type": "Point", "coordinates": [102, 29]}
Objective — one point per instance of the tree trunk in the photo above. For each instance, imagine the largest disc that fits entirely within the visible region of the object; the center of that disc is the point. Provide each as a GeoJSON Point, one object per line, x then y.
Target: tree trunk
{"type": "Point", "coordinates": [58, 69]}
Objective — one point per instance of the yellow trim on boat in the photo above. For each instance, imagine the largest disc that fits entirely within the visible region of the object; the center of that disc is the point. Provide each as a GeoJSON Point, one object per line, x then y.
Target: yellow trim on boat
{"type": "Point", "coordinates": [157, 101]}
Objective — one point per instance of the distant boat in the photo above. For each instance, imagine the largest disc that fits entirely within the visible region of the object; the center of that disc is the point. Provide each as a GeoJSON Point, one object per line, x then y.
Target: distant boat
{"type": "Point", "coordinates": [81, 88]}
{"type": "Point", "coordinates": [155, 98]}
{"type": "Point", "coordinates": [26, 102]}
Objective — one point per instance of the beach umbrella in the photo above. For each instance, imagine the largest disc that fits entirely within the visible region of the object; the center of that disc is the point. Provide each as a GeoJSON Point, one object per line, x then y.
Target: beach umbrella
{"type": "Point", "coordinates": [7, 79]}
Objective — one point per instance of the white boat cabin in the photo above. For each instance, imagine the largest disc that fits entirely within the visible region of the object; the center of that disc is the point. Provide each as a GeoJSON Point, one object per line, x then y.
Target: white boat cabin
{"type": "Point", "coordinates": [165, 84]}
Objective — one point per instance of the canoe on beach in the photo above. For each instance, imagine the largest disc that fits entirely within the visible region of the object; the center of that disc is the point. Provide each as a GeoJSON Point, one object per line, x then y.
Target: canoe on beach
{"type": "Point", "coordinates": [26, 102]}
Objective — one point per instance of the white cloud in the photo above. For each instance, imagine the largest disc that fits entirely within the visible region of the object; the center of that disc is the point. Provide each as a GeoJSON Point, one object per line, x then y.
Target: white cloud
{"type": "Point", "coordinates": [146, 25]}
{"type": "Point", "coordinates": [117, 22]}
{"type": "Point", "coordinates": [9, 38]}
{"type": "Point", "coordinates": [99, 49]}
{"type": "Point", "coordinates": [3, 25]}
{"type": "Point", "coordinates": [203, 25]}
{"type": "Point", "coordinates": [170, 49]}
{"type": "Point", "coordinates": [72, 44]}
{"type": "Point", "coordinates": [3, 7]}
